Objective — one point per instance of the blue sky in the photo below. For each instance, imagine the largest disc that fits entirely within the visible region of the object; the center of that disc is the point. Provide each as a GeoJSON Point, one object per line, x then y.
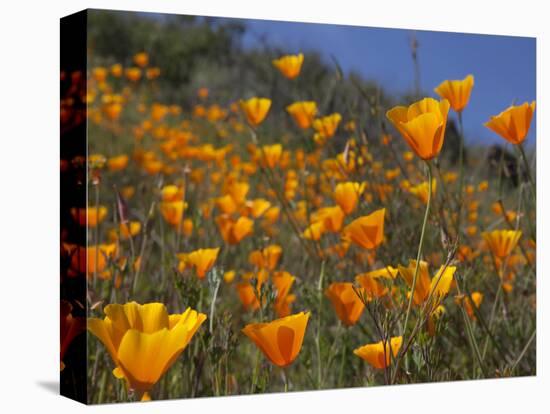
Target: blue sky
{"type": "Point", "coordinates": [504, 67]}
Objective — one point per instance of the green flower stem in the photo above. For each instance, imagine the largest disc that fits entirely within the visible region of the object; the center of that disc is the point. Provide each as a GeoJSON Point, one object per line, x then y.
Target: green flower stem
{"type": "Point", "coordinates": [525, 348]}
{"type": "Point", "coordinates": [343, 359]}
{"type": "Point", "coordinates": [469, 328]}
{"type": "Point", "coordinates": [492, 318]}
{"type": "Point", "coordinates": [255, 372]}
{"type": "Point", "coordinates": [143, 245]}
{"type": "Point", "coordinates": [420, 246]}
{"type": "Point", "coordinates": [499, 272]}
{"type": "Point", "coordinates": [417, 267]}
{"type": "Point", "coordinates": [213, 304]}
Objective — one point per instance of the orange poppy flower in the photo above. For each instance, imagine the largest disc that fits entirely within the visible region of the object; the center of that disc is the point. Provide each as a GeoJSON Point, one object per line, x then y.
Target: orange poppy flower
{"type": "Point", "coordinates": [347, 195]}
{"type": "Point", "coordinates": [457, 92]}
{"type": "Point", "coordinates": [421, 190]}
{"type": "Point", "coordinates": [255, 110]}
{"type": "Point", "coordinates": [201, 259]}
{"type": "Point", "coordinates": [436, 314]}
{"type": "Point", "coordinates": [330, 217]}
{"type": "Point", "coordinates": [327, 125]}
{"type": "Point", "coordinates": [257, 207]}
{"type": "Point", "coordinates": [233, 231]}
{"type": "Point", "coordinates": [130, 229]}
{"type": "Point", "coordinates": [187, 227]}
{"type": "Point", "coordinates": [152, 73]}
{"type": "Point", "coordinates": [367, 231]}
{"type": "Point", "coordinates": [422, 125]}
{"type": "Point", "coordinates": [346, 302]}
{"type": "Point", "coordinates": [248, 296]}
{"type": "Point", "coordinates": [289, 65]}
{"type": "Point", "coordinates": [153, 166]}
{"type": "Point", "coordinates": [97, 161]}
{"type": "Point", "coordinates": [280, 340]}
{"type": "Point", "coordinates": [475, 298]}
{"type": "Point", "coordinates": [483, 186]}
{"type": "Point", "coordinates": [229, 276]}
{"type": "Point", "coordinates": [238, 191]}
{"type": "Point", "coordinates": [283, 307]}
{"type": "Point", "coordinates": [372, 282]}
{"type": "Point", "coordinates": [513, 123]}
{"type": "Point", "coordinates": [127, 192]}
{"type": "Point", "coordinates": [199, 111]}
{"type": "Point", "coordinates": [283, 281]}
{"type": "Point", "coordinates": [502, 242]}
{"type": "Point", "coordinates": [118, 163]}
{"type": "Point", "coordinates": [100, 74]}
{"type": "Point", "coordinates": [471, 230]}
{"type": "Point", "coordinates": [158, 111]}
{"type": "Point", "coordinates": [141, 59]}
{"type": "Point", "coordinates": [270, 155]}
{"type": "Point", "coordinates": [303, 113]}
{"type": "Point", "coordinates": [202, 93]}
{"type": "Point", "coordinates": [133, 74]}
{"type": "Point", "coordinates": [438, 286]}
{"type": "Point", "coordinates": [272, 215]}
{"type": "Point", "coordinates": [266, 258]}
{"type": "Point", "coordinates": [215, 113]}
{"type": "Point", "coordinates": [450, 177]}
{"type": "Point", "coordinates": [314, 231]}
{"type": "Point", "coordinates": [112, 110]}
{"type": "Point", "coordinates": [226, 204]}
{"type": "Point", "coordinates": [116, 70]}
{"type": "Point", "coordinates": [378, 354]}
{"type": "Point", "coordinates": [172, 212]}
{"type": "Point", "coordinates": [144, 341]}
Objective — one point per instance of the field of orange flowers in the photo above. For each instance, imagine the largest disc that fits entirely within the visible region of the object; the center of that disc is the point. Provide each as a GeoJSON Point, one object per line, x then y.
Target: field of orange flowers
{"type": "Point", "coordinates": [259, 246]}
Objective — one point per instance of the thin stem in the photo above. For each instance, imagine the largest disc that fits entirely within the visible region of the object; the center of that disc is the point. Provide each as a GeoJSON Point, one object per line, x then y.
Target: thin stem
{"type": "Point", "coordinates": [424, 314]}
{"type": "Point", "coordinates": [285, 378]}
{"type": "Point", "coordinates": [420, 245]}
{"type": "Point", "coordinates": [473, 342]}
{"type": "Point", "coordinates": [492, 318]}
{"type": "Point", "coordinates": [143, 245]}
{"type": "Point", "coordinates": [213, 304]}
{"type": "Point", "coordinates": [102, 386]}
{"type": "Point", "coordinates": [524, 351]}
{"type": "Point", "coordinates": [343, 359]}
{"type": "Point", "coordinates": [417, 267]}
{"type": "Point", "coordinates": [255, 372]}
{"type": "Point", "coordinates": [469, 329]}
